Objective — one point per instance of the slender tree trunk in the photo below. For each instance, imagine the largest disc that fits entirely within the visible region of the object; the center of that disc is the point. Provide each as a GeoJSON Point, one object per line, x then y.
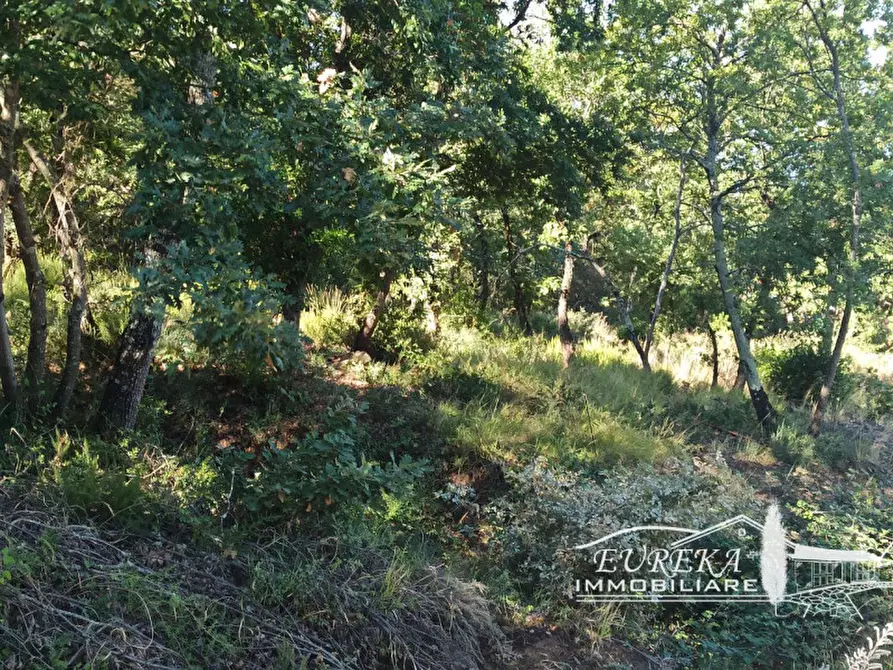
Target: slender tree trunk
{"type": "Point", "coordinates": [36, 361]}
{"type": "Point", "coordinates": [852, 267]}
{"type": "Point", "coordinates": [432, 307]}
{"type": "Point", "coordinates": [127, 380]}
{"type": "Point", "coordinates": [8, 113]}
{"type": "Point", "coordinates": [68, 235]}
{"type": "Point", "coordinates": [565, 335]}
{"type": "Point", "coordinates": [714, 355]}
{"type": "Point", "coordinates": [483, 271]}
{"type": "Point", "coordinates": [668, 268]}
{"type": "Point", "coordinates": [363, 341]}
{"type": "Point", "coordinates": [740, 378]}
{"type": "Point", "coordinates": [827, 344]}
{"type": "Point", "coordinates": [623, 310]}
{"type": "Point", "coordinates": [37, 296]}
{"type": "Point", "coordinates": [762, 406]}
{"type": "Point", "coordinates": [517, 288]}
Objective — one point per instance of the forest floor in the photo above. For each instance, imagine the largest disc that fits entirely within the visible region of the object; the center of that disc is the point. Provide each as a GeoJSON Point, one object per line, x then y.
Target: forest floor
{"type": "Point", "coordinates": [142, 556]}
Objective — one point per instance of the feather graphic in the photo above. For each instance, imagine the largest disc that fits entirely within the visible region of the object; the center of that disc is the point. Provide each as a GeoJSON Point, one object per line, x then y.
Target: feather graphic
{"type": "Point", "coordinates": [773, 557]}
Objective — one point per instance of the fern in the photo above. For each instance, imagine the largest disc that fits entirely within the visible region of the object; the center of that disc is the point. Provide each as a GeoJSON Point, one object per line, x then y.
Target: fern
{"type": "Point", "coordinates": [869, 657]}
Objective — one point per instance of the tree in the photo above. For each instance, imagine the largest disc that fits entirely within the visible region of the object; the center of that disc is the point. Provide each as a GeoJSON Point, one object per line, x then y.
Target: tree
{"type": "Point", "coordinates": [821, 16]}
{"type": "Point", "coordinates": [703, 89]}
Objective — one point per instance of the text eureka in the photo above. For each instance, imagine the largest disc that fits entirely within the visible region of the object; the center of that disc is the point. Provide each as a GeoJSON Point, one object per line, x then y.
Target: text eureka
{"type": "Point", "coordinates": [666, 571]}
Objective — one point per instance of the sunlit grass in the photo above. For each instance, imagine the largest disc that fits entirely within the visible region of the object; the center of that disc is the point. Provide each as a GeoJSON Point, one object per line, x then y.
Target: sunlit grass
{"type": "Point", "coordinates": [587, 415]}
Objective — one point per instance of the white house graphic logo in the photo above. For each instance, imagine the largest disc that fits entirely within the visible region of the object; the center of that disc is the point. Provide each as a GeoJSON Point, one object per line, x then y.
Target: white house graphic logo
{"type": "Point", "coordinates": [737, 559]}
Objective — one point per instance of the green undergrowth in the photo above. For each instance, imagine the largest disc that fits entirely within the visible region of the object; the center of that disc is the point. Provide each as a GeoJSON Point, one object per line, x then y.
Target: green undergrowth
{"type": "Point", "coordinates": [420, 514]}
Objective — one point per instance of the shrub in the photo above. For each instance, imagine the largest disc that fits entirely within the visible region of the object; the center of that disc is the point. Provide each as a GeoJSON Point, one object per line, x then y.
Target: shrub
{"type": "Point", "coordinates": [797, 373]}
{"type": "Point", "coordinates": [100, 493]}
{"type": "Point", "coordinates": [592, 326]}
{"type": "Point", "coordinates": [792, 446]}
{"type": "Point", "coordinates": [874, 397]}
{"type": "Point", "coordinates": [401, 332]}
{"type": "Point", "coordinates": [549, 510]}
{"type": "Point", "coordinates": [321, 472]}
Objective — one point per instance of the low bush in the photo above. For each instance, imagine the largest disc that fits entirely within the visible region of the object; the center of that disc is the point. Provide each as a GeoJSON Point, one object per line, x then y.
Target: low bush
{"type": "Point", "coordinates": [98, 597]}
{"type": "Point", "coordinates": [797, 373]}
{"type": "Point", "coordinates": [873, 397]}
{"type": "Point", "coordinates": [402, 332]}
{"type": "Point", "coordinates": [792, 445]}
{"type": "Point", "coordinates": [322, 472]}
{"type": "Point", "coordinates": [548, 510]}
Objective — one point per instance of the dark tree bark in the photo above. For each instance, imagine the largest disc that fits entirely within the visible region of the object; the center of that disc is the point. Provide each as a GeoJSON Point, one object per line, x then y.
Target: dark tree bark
{"type": "Point", "coordinates": [565, 335]}
{"type": "Point", "coordinates": [623, 309]}
{"type": "Point", "coordinates": [69, 238]}
{"type": "Point", "coordinates": [837, 95]}
{"type": "Point", "coordinates": [297, 292]}
{"type": "Point", "coordinates": [363, 340]}
{"type": "Point", "coordinates": [520, 14]}
{"type": "Point", "coordinates": [740, 378]}
{"type": "Point", "coordinates": [127, 380]}
{"type": "Point", "coordinates": [827, 343]}
{"type": "Point", "coordinates": [11, 138]}
{"type": "Point", "coordinates": [714, 355]}
{"type": "Point", "coordinates": [517, 289]}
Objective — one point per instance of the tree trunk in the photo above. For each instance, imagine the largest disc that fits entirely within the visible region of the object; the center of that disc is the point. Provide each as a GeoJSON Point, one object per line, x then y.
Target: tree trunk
{"type": "Point", "coordinates": [36, 361]}
{"type": "Point", "coordinates": [483, 270]}
{"type": "Point", "coordinates": [363, 341]}
{"type": "Point", "coordinates": [714, 355]}
{"type": "Point", "coordinates": [37, 296]}
{"type": "Point", "coordinates": [827, 343]}
{"type": "Point", "coordinates": [8, 113]}
{"type": "Point", "coordinates": [127, 379]}
{"type": "Point", "coordinates": [668, 268]}
{"type": "Point", "coordinates": [740, 378]}
{"type": "Point", "coordinates": [852, 266]}
{"type": "Point", "coordinates": [565, 335]}
{"type": "Point", "coordinates": [623, 309]}
{"type": "Point", "coordinates": [762, 406]}
{"type": "Point", "coordinates": [68, 235]}
{"type": "Point", "coordinates": [517, 288]}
